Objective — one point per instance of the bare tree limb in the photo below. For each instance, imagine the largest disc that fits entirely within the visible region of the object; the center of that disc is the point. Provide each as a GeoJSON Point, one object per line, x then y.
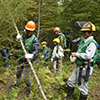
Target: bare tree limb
{"type": "Point", "coordinates": [39, 19]}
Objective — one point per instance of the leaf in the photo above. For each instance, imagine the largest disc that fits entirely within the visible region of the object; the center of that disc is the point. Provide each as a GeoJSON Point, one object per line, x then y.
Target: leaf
{"type": "Point", "coordinates": [67, 50]}
{"type": "Point", "coordinates": [59, 79]}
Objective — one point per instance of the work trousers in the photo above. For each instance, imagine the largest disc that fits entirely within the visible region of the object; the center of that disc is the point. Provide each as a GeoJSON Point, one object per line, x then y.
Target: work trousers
{"type": "Point", "coordinates": [4, 53]}
{"type": "Point", "coordinates": [26, 70]}
{"type": "Point", "coordinates": [57, 64]}
{"type": "Point", "coordinates": [73, 80]}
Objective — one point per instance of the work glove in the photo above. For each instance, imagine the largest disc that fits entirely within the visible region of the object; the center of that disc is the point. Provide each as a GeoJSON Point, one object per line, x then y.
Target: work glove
{"type": "Point", "coordinates": [72, 59]}
{"type": "Point", "coordinates": [51, 59]}
{"type": "Point", "coordinates": [18, 36]}
{"type": "Point", "coordinates": [29, 56]}
{"type": "Point", "coordinates": [42, 56]}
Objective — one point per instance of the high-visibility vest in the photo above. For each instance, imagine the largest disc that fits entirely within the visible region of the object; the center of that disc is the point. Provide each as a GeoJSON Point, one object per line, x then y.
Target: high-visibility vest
{"type": "Point", "coordinates": [28, 45]}
{"type": "Point", "coordinates": [64, 39]}
{"type": "Point", "coordinates": [82, 48]}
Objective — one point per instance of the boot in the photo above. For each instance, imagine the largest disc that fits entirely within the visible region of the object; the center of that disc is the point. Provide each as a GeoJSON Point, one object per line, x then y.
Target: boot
{"type": "Point", "coordinates": [69, 93]}
{"type": "Point", "coordinates": [83, 97]}
{"type": "Point", "coordinates": [28, 93]}
{"type": "Point", "coordinates": [15, 86]}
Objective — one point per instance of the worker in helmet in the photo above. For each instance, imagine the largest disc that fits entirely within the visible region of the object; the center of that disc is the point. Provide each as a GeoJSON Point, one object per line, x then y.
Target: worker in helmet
{"type": "Point", "coordinates": [46, 51]}
{"type": "Point", "coordinates": [85, 58]}
{"type": "Point", "coordinates": [32, 48]}
{"type": "Point", "coordinates": [79, 39]}
{"type": "Point", "coordinates": [57, 55]}
{"type": "Point", "coordinates": [61, 37]}
{"type": "Point", "coordinates": [98, 56]}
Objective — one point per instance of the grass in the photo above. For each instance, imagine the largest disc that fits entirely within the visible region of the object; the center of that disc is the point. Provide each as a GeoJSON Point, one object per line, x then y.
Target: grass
{"type": "Point", "coordinates": [54, 86]}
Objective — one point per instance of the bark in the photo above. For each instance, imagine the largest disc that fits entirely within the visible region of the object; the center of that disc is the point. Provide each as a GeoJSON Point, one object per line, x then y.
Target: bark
{"type": "Point", "coordinates": [39, 19]}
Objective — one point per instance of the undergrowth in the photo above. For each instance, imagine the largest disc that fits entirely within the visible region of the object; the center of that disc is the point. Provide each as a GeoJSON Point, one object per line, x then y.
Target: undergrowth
{"type": "Point", "coordinates": [53, 85]}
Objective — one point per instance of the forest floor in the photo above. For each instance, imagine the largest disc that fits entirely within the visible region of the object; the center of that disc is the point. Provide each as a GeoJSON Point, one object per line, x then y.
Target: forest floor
{"type": "Point", "coordinates": [8, 78]}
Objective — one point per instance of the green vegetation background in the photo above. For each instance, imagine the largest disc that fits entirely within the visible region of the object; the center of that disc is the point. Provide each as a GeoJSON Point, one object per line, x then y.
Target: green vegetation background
{"type": "Point", "coordinates": [61, 13]}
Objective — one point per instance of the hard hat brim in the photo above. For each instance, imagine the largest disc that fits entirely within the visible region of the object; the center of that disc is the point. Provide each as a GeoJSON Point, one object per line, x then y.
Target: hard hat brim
{"type": "Point", "coordinates": [29, 29]}
{"type": "Point", "coordinates": [84, 29]}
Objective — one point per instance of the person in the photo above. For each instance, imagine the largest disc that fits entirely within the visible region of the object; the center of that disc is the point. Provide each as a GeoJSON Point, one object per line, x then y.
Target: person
{"type": "Point", "coordinates": [85, 59]}
{"type": "Point", "coordinates": [98, 56]}
{"type": "Point", "coordinates": [80, 39]}
{"type": "Point", "coordinates": [46, 51]}
{"type": "Point", "coordinates": [57, 55]}
{"type": "Point", "coordinates": [68, 40]}
{"type": "Point", "coordinates": [32, 48]}
{"type": "Point", "coordinates": [69, 45]}
{"type": "Point", "coordinates": [61, 37]}
{"type": "Point", "coordinates": [4, 54]}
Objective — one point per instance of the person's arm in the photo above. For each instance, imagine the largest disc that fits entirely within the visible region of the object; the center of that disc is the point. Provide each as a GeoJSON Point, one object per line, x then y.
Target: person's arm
{"type": "Point", "coordinates": [89, 53]}
{"type": "Point", "coordinates": [35, 46]}
{"type": "Point", "coordinates": [76, 40]}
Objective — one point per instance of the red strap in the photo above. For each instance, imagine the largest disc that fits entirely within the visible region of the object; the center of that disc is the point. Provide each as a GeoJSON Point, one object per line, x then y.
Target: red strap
{"type": "Point", "coordinates": [89, 63]}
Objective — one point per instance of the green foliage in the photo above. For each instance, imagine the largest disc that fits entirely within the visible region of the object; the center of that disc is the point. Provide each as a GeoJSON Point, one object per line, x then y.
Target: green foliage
{"type": "Point", "coordinates": [52, 14]}
{"type": "Point", "coordinates": [13, 94]}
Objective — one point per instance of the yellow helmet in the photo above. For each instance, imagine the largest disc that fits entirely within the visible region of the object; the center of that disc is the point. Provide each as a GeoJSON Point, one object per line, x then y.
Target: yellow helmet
{"type": "Point", "coordinates": [93, 28]}
{"type": "Point", "coordinates": [56, 40]}
{"type": "Point", "coordinates": [88, 27]}
{"type": "Point", "coordinates": [44, 43]}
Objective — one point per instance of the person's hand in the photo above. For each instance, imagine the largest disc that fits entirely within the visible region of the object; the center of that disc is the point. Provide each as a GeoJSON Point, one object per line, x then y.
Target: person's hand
{"type": "Point", "coordinates": [18, 36]}
{"type": "Point", "coordinates": [73, 54]}
{"type": "Point", "coordinates": [51, 59]}
{"type": "Point", "coordinates": [72, 59]}
{"type": "Point", "coordinates": [42, 56]}
{"type": "Point", "coordinates": [29, 56]}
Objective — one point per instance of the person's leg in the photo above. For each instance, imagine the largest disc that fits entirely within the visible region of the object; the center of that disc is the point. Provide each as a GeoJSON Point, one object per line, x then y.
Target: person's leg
{"type": "Point", "coordinates": [4, 53]}
{"type": "Point", "coordinates": [18, 75]}
{"type": "Point", "coordinates": [27, 78]}
{"type": "Point", "coordinates": [83, 88]}
{"type": "Point", "coordinates": [59, 64]}
{"type": "Point", "coordinates": [54, 66]}
{"type": "Point", "coordinates": [71, 84]}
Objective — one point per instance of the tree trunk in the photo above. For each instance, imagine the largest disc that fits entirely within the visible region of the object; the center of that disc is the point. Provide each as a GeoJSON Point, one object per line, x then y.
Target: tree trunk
{"type": "Point", "coordinates": [39, 19]}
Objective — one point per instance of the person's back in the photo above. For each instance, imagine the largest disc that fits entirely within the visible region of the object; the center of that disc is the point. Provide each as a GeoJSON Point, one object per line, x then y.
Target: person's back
{"type": "Point", "coordinates": [61, 37]}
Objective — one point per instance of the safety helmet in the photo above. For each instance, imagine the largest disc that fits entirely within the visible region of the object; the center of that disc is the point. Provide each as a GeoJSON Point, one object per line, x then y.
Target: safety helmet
{"type": "Point", "coordinates": [93, 28]}
{"type": "Point", "coordinates": [98, 45]}
{"type": "Point", "coordinates": [88, 27]}
{"type": "Point", "coordinates": [72, 31]}
{"type": "Point", "coordinates": [56, 40]}
{"type": "Point", "coordinates": [67, 32]}
{"type": "Point", "coordinates": [57, 29]}
{"type": "Point", "coordinates": [44, 43]}
{"type": "Point", "coordinates": [30, 26]}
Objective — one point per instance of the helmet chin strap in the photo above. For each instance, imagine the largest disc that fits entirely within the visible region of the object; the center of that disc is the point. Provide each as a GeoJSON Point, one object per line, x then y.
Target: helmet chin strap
{"type": "Point", "coordinates": [87, 37]}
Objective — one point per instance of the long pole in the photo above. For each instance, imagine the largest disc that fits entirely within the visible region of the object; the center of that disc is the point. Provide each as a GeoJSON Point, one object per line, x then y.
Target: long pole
{"type": "Point", "coordinates": [28, 60]}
